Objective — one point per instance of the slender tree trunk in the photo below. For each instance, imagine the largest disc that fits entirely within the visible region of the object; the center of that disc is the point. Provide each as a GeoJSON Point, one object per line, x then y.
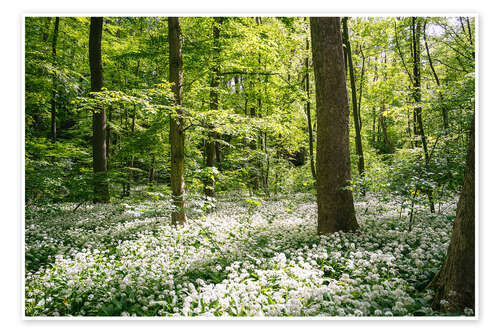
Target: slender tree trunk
{"type": "Point", "coordinates": [260, 135]}
{"type": "Point", "coordinates": [101, 189]}
{"type": "Point", "coordinates": [46, 29]}
{"type": "Point", "coordinates": [374, 120]}
{"type": "Point", "coordinates": [354, 103]}
{"type": "Point", "coordinates": [132, 132]}
{"type": "Point", "coordinates": [266, 174]}
{"type": "Point", "coordinates": [335, 202]}
{"type": "Point", "coordinates": [455, 282]}
{"type": "Point", "coordinates": [408, 129]}
{"type": "Point", "coordinates": [374, 110]}
{"type": "Point", "coordinates": [361, 88]}
{"type": "Point", "coordinates": [151, 177]}
{"type": "Point", "coordinates": [131, 162]}
{"type": "Point", "coordinates": [417, 93]}
{"type": "Point", "coordinates": [176, 121]}
{"type": "Point", "coordinates": [108, 137]}
{"type": "Point", "coordinates": [211, 149]}
{"type": "Point", "coordinates": [417, 96]}
{"type": "Point", "coordinates": [254, 146]}
{"type": "Point", "coordinates": [53, 111]}
{"type": "Point", "coordinates": [308, 115]}
{"type": "Point", "coordinates": [383, 125]}
{"type": "Point", "coordinates": [444, 111]}
{"type": "Point", "coordinates": [473, 54]}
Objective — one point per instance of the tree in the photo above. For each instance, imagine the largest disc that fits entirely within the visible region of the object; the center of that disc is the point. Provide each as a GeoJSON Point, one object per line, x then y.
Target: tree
{"type": "Point", "coordinates": [455, 282]}
{"type": "Point", "coordinates": [355, 110]}
{"type": "Point", "coordinates": [308, 115]}
{"type": "Point", "coordinates": [176, 121]}
{"type": "Point", "coordinates": [335, 201]}
{"type": "Point", "coordinates": [53, 111]}
{"type": "Point", "coordinates": [101, 190]}
{"type": "Point", "coordinates": [417, 95]}
{"type": "Point", "coordinates": [214, 105]}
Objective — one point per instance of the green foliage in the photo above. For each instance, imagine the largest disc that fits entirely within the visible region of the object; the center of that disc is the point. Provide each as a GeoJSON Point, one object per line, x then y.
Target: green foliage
{"type": "Point", "coordinates": [259, 123]}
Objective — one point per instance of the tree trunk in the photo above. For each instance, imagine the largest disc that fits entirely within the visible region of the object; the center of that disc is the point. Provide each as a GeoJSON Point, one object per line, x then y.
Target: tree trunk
{"type": "Point", "coordinates": [417, 93]}
{"type": "Point", "coordinates": [374, 120]}
{"type": "Point", "coordinates": [131, 163]}
{"type": "Point", "coordinates": [383, 125]}
{"type": "Point", "coordinates": [53, 111]}
{"type": "Point", "coordinates": [46, 29]}
{"type": "Point", "coordinates": [101, 189]}
{"type": "Point", "coordinates": [335, 202]}
{"type": "Point", "coordinates": [211, 148]}
{"type": "Point", "coordinates": [176, 121]}
{"type": "Point", "coordinates": [151, 177]}
{"type": "Point", "coordinates": [455, 282]}
{"type": "Point", "coordinates": [417, 96]}
{"type": "Point", "coordinates": [444, 111]}
{"type": "Point", "coordinates": [361, 88]}
{"type": "Point", "coordinates": [254, 177]}
{"type": "Point", "coordinates": [108, 136]}
{"type": "Point", "coordinates": [354, 103]}
{"type": "Point", "coordinates": [308, 115]}
{"type": "Point", "coordinates": [260, 136]}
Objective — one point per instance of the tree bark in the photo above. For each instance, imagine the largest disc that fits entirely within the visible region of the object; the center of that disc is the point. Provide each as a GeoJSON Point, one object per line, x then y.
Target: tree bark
{"type": "Point", "coordinates": [53, 110]}
{"type": "Point", "coordinates": [335, 202]}
{"type": "Point", "coordinates": [101, 189]}
{"type": "Point", "coordinates": [455, 282]}
{"type": "Point", "coordinates": [176, 122]}
{"type": "Point", "coordinates": [355, 111]}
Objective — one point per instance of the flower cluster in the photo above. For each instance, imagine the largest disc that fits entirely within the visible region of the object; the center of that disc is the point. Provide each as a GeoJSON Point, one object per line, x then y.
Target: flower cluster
{"type": "Point", "coordinates": [109, 260]}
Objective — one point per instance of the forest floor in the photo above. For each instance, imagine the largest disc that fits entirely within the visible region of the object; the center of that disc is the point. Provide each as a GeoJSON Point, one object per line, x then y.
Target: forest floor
{"type": "Point", "coordinates": [242, 257]}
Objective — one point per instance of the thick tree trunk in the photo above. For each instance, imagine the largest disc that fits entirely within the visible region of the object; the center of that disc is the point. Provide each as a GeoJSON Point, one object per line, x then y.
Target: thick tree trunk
{"type": "Point", "coordinates": [308, 115]}
{"type": "Point", "coordinates": [53, 111]}
{"type": "Point", "coordinates": [101, 189]}
{"type": "Point", "coordinates": [354, 103]}
{"type": "Point", "coordinates": [335, 202]}
{"type": "Point", "coordinates": [455, 282]}
{"type": "Point", "coordinates": [176, 122]}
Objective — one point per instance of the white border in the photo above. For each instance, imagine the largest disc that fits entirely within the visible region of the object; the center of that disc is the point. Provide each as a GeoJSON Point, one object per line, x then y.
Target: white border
{"type": "Point", "coordinates": [22, 303]}
{"type": "Point", "coordinates": [488, 137]}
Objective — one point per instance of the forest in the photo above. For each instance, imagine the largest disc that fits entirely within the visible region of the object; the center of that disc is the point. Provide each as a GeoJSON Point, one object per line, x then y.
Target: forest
{"type": "Point", "coordinates": [249, 166]}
